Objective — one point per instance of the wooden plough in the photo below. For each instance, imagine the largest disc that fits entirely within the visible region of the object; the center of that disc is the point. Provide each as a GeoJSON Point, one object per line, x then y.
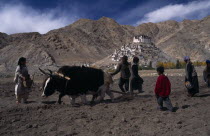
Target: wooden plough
{"type": "Point", "coordinates": [124, 96]}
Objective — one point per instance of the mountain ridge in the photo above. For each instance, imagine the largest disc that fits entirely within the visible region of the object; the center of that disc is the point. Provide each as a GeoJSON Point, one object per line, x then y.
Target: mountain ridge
{"type": "Point", "coordinates": [88, 41]}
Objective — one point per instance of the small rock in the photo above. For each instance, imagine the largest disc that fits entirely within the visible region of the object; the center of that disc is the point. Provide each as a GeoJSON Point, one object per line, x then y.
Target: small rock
{"type": "Point", "coordinates": [40, 111]}
{"type": "Point", "coordinates": [15, 120]}
{"type": "Point", "coordinates": [156, 120]}
{"type": "Point", "coordinates": [133, 108]}
{"type": "Point", "coordinates": [179, 126]}
{"type": "Point", "coordinates": [185, 106]}
{"type": "Point", "coordinates": [106, 106]}
{"type": "Point", "coordinates": [35, 126]}
{"type": "Point", "coordinates": [53, 128]}
{"type": "Point", "coordinates": [29, 126]}
{"type": "Point", "coordinates": [180, 122]}
{"type": "Point", "coordinates": [124, 120]}
{"type": "Point", "coordinates": [165, 113]}
{"type": "Point", "coordinates": [72, 134]}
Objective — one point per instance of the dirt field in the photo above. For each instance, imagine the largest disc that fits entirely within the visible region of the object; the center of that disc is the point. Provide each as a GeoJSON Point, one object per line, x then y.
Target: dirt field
{"type": "Point", "coordinates": [43, 117]}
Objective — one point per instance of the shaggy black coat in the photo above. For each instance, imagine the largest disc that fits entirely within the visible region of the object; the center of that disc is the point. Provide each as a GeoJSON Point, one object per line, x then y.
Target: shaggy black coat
{"type": "Point", "coordinates": [83, 79]}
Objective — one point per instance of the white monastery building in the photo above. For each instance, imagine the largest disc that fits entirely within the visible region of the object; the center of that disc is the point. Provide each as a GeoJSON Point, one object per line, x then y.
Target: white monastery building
{"type": "Point", "coordinates": [141, 46]}
{"type": "Point", "coordinates": [142, 39]}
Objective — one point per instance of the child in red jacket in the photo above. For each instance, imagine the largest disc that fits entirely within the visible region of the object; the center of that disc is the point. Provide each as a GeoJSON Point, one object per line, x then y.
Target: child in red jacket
{"type": "Point", "coordinates": [163, 90]}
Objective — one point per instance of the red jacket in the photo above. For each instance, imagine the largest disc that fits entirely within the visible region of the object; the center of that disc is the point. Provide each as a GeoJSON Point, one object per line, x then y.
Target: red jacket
{"type": "Point", "coordinates": [163, 86]}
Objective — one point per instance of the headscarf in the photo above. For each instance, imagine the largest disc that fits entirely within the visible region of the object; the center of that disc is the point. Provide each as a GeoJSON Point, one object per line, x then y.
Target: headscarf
{"type": "Point", "coordinates": [207, 61]}
{"type": "Point", "coordinates": [22, 59]}
{"type": "Point", "coordinates": [186, 58]}
{"type": "Point", "coordinates": [207, 68]}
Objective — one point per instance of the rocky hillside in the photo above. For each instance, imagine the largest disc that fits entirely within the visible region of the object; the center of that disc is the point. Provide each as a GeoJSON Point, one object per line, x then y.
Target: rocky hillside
{"type": "Point", "coordinates": [90, 41]}
{"type": "Point", "coordinates": [4, 40]}
{"type": "Point", "coordinates": [84, 41]}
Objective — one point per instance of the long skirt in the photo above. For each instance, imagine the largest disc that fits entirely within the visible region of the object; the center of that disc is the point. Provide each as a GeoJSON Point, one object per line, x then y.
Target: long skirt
{"type": "Point", "coordinates": [136, 84]}
{"type": "Point", "coordinates": [21, 92]}
{"type": "Point", "coordinates": [195, 86]}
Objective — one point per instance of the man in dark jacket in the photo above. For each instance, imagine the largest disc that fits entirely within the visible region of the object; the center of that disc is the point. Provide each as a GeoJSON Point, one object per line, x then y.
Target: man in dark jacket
{"type": "Point", "coordinates": [124, 68]}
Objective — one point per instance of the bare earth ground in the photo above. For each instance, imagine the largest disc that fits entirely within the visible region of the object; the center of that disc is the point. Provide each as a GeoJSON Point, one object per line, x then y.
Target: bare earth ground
{"type": "Point", "coordinates": [123, 118]}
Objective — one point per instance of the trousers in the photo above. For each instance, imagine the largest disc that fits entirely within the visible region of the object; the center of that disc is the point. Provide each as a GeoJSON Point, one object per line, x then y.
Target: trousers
{"type": "Point", "coordinates": [123, 82]}
{"type": "Point", "coordinates": [166, 101]}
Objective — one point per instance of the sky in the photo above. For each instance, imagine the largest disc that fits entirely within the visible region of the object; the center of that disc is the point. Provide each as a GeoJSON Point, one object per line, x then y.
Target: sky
{"type": "Point", "coordinates": [17, 16]}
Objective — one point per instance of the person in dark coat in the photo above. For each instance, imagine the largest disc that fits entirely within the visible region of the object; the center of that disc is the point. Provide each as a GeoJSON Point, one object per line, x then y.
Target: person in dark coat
{"type": "Point", "coordinates": [124, 68]}
{"type": "Point", "coordinates": [206, 73]}
{"type": "Point", "coordinates": [163, 90]}
{"type": "Point", "coordinates": [136, 81]}
{"type": "Point", "coordinates": [191, 78]}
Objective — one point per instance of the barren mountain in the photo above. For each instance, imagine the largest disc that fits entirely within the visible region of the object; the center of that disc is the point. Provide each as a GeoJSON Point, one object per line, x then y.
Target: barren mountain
{"type": "Point", "coordinates": [92, 40]}
{"type": "Point", "coordinates": [177, 39]}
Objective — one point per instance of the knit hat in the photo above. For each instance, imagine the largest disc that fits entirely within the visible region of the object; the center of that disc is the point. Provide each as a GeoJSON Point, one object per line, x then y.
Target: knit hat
{"type": "Point", "coordinates": [207, 61]}
{"type": "Point", "coordinates": [186, 58]}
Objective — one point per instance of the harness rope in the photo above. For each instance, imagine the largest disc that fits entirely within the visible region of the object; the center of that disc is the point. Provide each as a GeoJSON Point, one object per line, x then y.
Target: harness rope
{"type": "Point", "coordinates": [62, 75]}
{"type": "Point", "coordinates": [66, 86]}
{"type": "Point", "coordinates": [65, 77]}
